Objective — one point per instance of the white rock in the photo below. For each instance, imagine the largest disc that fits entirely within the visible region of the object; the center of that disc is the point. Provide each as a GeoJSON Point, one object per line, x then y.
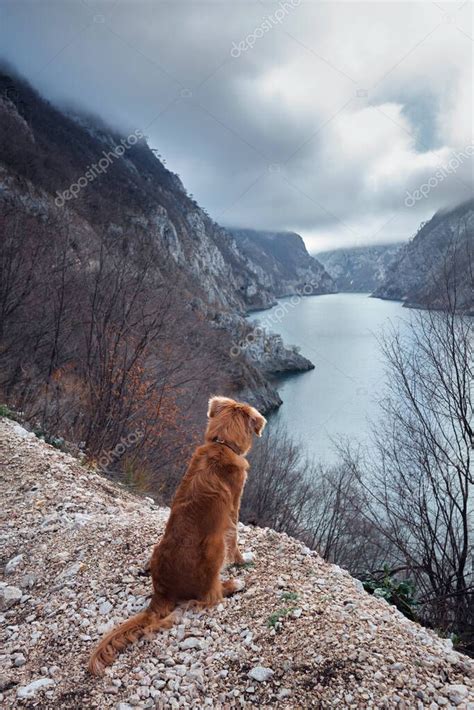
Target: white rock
{"type": "Point", "coordinates": [14, 564]}
{"type": "Point", "coordinates": [30, 690]}
{"type": "Point", "coordinates": [9, 596]}
{"type": "Point", "coordinates": [19, 660]}
{"type": "Point", "coordinates": [105, 608]}
{"type": "Point", "coordinates": [72, 570]}
{"type": "Point", "coordinates": [248, 557]}
{"type": "Point", "coordinates": [21, 431]}
{"type": "Point", "coordinates": [28, 580]}
{"type": "Point", "coordinates": [190, 642]}
{"type": "Point", "coordinates": [260, 673]}
{"type": "Point", "coordinates": [456, 693]}
{"type": "Point", "coordinates": [284, 693]}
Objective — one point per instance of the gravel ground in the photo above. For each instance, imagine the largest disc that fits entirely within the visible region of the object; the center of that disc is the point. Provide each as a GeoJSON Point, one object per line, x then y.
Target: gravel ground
{"type": "Point", "coordinates": [302, 634]}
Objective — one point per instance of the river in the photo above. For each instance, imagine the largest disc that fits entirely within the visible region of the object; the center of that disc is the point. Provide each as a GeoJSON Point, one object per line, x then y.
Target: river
{"type": "Point", "coordinates": [338, 399]}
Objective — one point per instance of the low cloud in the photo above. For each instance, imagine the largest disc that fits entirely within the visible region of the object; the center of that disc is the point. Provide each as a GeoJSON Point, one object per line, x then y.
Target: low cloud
{"type": "Point", "coordinates": [321, 126]}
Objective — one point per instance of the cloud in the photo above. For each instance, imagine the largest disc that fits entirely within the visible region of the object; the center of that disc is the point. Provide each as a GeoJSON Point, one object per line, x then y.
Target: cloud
{"type": "Point", "coordinates": [321, 127]}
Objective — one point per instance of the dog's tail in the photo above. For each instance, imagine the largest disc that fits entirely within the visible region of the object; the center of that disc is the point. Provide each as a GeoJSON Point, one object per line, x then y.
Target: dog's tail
{"type": "Point", "coordinates": [157, 616]}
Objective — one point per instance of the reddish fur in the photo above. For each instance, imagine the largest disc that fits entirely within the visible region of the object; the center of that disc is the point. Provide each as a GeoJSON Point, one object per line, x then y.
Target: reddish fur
{"type": "Point", "coordinates": [201, 533]}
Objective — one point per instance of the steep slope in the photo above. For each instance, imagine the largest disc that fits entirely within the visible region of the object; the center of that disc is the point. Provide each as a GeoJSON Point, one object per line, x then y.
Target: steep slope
{"type": "Point", "coordinates": [437, 265]}
{"type": "Point", "coordinates": [360, 269]}
{"type": "Point", "coordinates": [74, 545]}
{"type": "Point", "coordinates": [286, 268]}
{"type": "Point", "coordinates": [88, 191]}
{"type": "Point", "coordinates": [61, 155]}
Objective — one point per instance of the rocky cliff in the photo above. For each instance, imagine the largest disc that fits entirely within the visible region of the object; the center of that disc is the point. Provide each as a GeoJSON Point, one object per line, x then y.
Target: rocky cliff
{"type": "Point", "coordinates": [360, 269]}
{"type": "Point", "coordinates": [437, 266]}
{"type": "Point", "coordinates": [285, 267]}
{"type": "Point", "coordinates": [302, 633]}
{"type": "Point", "coordinates": [72, 173]}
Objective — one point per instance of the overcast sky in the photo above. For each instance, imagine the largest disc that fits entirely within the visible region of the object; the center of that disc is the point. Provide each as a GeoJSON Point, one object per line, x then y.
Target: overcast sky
{"type": "Point", "coordinates": [315, 117]}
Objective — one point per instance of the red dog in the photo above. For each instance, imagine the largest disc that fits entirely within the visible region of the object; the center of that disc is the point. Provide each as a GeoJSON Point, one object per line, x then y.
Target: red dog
{"type": "Point", "coordinates": [201, 531]}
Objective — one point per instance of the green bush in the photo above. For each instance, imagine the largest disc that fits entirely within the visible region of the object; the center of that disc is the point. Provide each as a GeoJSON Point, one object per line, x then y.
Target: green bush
{"type": "Point", "coordinates": [399, 593]}
{"type": "Point", "coordinates": [5, 411]}
{"type": "Point", "coordinates": [56, 441]}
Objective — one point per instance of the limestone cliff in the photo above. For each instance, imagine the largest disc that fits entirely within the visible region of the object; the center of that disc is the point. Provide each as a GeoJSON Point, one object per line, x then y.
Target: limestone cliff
{"type": "Point", "coordinates": [73, 175]}
{"type": "Point", "coordinates": [437, 266]}
{"type": "Point", "coordinates": [285, 267]}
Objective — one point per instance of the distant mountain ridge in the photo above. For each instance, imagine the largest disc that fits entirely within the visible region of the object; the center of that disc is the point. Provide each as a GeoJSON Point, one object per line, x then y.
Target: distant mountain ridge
{"type": "Point", "coordinates": [436, 268]}
{"type": "Point", "coordinates": [286, 267]}
{"type": "Point", "coordinates": [359, 269]}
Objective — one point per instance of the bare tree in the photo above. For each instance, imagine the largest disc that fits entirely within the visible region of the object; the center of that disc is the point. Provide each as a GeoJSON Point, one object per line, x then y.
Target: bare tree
{"type": "Point", "coordinates": [419, 488]}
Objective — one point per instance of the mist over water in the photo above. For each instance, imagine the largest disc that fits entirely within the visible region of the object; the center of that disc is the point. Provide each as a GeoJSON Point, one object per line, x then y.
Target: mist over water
{"type": "Point", "coordinates": [337, 400]}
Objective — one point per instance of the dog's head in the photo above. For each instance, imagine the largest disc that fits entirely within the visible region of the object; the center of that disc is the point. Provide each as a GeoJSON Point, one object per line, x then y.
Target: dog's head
{"type": "Point", "coordinates": [235, 422]}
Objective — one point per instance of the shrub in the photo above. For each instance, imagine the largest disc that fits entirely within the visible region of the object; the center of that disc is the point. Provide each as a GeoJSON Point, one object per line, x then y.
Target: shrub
{"type": "Point", "coordinates": [399, 593]}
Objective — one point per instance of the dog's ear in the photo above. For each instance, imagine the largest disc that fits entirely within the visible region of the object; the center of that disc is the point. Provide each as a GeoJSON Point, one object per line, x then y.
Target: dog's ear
{"type": "Point", "coordinates": [216, 405]}
{"type": "Point", "coordinates": [258, 422]}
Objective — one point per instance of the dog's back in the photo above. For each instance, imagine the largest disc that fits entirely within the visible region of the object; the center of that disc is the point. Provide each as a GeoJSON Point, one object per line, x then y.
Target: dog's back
{"type": "Point", "coordinates": [203, 520]}
{"type": "Point", "coordinates": [194, 540]}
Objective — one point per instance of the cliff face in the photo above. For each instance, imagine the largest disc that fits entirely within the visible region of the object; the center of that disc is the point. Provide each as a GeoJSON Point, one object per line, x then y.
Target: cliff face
{"type": "Point", "coordinates": [437, 265]}
{"type": "Point", "coordinates": [301, 634]}
{"type": "Point", "coordinates": [360, 269]}
{"type": "Point", "coordinates": [285, 267]}
{"type": "Point", "coordinates": [74, 174]}
{"type": "Point", "coordinates": [118, 182]}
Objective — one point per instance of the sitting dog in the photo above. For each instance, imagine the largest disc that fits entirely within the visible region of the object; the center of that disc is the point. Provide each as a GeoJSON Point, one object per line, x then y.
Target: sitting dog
{"type": "Point", "coordinates": [201, 533]}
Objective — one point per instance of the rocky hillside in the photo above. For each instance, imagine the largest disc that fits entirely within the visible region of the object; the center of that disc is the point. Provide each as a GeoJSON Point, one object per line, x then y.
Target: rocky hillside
{"type": "Point", "coordinates": [437, 265]}
{"type": "Point", "coordinates": [360, 269]}
{"type": "Point", "coordinates": [83, 195]}
{"type": "Point", "coordinates": [302, 634]}
{"type": "Point", "coordinates": [59, 156]}
{"type": "Point", "coordinates": [136, 193]}
{"type": "Point", "coordinates": [285, 267]}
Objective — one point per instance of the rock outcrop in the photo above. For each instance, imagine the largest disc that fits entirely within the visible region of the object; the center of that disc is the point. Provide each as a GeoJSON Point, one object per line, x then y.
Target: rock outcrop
{"type": "Point", "coordinates": [282, 263]}
{"type": "Point", "coordinates": [436, 268]}
{"type": "Point", "coordinates": [359, 269]}
{"type": "Point", "coordinates": [302, 634]}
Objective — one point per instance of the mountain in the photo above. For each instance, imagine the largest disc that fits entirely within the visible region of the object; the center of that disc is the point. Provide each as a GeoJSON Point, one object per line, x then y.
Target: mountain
{"type": "Point", "coordinates": [122, 302]}
{"type": "Point", "coordinates": [73, 180]}
{"type": "Point", "coordinates": [302, 632]}
{"type": "Point", "coordinates": [437, 266]}
{"type": "Point", "coordinates": [286, 268]}
{"type": "Point", "coordinates": [54, 152]}
{"type": "Point", "coordinates": [360, 269]}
